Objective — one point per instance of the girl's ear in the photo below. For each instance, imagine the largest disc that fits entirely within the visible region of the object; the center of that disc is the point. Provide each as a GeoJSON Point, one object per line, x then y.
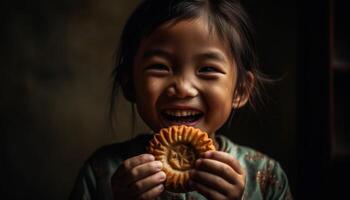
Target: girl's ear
{"type": "Point", "coordinates": [128, 89]}
{"type": "Point", "coordinates": [240, 100]}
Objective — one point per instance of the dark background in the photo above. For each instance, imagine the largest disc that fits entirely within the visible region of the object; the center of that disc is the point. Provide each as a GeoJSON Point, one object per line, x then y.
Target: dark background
{"type": "Point", "coordinates": [56, 62]}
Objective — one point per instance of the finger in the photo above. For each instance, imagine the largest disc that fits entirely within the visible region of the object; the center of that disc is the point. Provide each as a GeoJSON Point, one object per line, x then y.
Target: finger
{"type": "Point", "coordinates": [219, 168]}
{"type": "Point", "coordinates": [129, 164]}
{"type": "Point", "coordinates": [146, 184]}
{"type": "Point", "coordinates": [206, 191]}
{"type": "Point", "coordinates": [138, 160]}
{"type": "Point", "coordinates": [152, 193]}
{"type": "Point", "coordinates": [212, 181]}
{"type": "Point", "coordinates": [142, 171]}
{"type": "Point", "coordinates": [132, 162]}
{"type": "Point", "coordinates": [225, 158]}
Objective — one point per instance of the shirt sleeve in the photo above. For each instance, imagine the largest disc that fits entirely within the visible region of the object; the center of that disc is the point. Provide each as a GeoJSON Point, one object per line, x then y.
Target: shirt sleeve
{"type": "Point", "coordinates": [94, 179]}
{"type": "Point", "coordinates": [85, 185]}
{"type": "Point", "coordinates": [265, 178]}
{"type": "Point", "coordinates": [276, 184]}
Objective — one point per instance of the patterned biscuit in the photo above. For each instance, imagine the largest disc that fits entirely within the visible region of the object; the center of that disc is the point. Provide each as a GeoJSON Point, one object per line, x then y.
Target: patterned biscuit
{"type": "Point", "coordinates": [178, 147]}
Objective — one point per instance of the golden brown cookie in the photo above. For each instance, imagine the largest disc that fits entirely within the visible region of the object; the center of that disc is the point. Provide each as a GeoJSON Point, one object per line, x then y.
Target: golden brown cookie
{"type": "Point", "coordinates": [178, 147]}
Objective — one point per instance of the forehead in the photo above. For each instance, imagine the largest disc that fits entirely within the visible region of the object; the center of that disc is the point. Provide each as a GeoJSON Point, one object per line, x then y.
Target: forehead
{"type": "Point", "coordinates": [187, 35]}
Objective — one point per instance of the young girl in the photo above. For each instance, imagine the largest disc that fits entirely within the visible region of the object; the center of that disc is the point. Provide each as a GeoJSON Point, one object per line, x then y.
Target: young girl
{"type": "Point", "coordinates": [188, 62]}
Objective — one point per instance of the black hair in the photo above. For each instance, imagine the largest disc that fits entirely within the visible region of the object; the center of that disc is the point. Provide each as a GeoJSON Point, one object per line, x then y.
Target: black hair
{"type": "Point", "coordinates": [226, 17]}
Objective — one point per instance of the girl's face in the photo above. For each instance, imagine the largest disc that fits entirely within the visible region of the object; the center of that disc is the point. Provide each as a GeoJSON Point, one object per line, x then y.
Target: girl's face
{"type": "Point", "coordinates": [184, 75]}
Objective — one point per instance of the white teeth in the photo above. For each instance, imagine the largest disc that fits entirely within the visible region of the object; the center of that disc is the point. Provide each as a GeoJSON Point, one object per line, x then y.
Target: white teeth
{"type": "Point", "coordinates": [181, 113]}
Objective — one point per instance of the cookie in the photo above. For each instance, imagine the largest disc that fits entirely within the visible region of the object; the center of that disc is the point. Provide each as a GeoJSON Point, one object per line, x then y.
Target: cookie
{"type": "Point", "coordinates": [178, 147]}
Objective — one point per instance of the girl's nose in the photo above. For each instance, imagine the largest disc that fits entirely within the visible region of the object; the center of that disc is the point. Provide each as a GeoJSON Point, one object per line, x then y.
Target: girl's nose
{"type": "Point", "coordinates": [181, 88]}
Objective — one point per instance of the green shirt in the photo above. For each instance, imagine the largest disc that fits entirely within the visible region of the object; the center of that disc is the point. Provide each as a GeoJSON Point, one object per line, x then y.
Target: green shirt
{"type": "Point", "coordinates": [265, 178]}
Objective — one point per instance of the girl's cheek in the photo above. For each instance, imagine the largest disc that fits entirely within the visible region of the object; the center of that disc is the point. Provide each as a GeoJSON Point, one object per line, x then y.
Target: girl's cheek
{"type": "Point", "coordinates": [146, 84]}
{"type": "Point", "coordinates": [154, 84]}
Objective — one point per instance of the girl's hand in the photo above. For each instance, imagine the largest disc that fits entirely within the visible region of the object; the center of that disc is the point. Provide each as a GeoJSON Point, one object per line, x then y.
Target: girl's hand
{"type": "Point", "coordinates": [218, 176]}
{"type": "Point", "coordinates": [139, 177]}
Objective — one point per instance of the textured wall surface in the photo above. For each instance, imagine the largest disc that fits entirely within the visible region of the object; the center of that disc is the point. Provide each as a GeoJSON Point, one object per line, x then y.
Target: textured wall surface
{"type": "Point", "coordinates": [56, 62]}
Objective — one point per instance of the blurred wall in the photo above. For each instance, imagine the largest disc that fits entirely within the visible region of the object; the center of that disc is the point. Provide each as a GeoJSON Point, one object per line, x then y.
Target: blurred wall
{"type": "Point", "coordinates": [56, 82]}
{"type": "Point", "coordinates": [57, 57]}
{"type": "Point", "coordinates": [272, 127]}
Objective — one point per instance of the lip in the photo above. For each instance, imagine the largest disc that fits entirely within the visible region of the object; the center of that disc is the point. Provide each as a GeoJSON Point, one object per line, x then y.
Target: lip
{"type": "Point", "coordinates": [180, 107]}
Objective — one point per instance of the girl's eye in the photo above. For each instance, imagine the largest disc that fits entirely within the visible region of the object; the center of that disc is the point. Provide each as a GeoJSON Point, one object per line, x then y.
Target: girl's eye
{"type": "Point", "coordinates": [158, 70]}
{"type": "Point", "coordinates": [208, 69]}
{"type": "Point", "coordinates": [157, 67]}
{"type": "Point", "coordinates": [208, 72]}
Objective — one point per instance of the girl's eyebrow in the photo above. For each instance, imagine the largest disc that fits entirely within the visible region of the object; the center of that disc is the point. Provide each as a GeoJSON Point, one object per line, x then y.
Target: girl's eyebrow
{"type": "Point", "coordinates": [156, 52]}
{"type": "Point", "coordinates": [212, 55]}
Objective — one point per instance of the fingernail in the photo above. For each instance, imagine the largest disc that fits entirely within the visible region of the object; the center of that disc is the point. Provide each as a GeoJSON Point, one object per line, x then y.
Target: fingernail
{"type": "Point", "coordinates": [198, 162]}
{"type": "Point", "coordinates": [161, 187]}
{"type": "Point", "coordinates": [207, 154]}
{"type": "Point", "coordinates": [158, 165]}
{"type": "Point", "coordinates": [162, 176]}
{"type": "Point", "coordinates": [149, 157]}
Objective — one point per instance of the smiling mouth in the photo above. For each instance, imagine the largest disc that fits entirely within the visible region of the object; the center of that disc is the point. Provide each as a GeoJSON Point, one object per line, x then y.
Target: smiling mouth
{"type": "Point", "coordinates": [182, 116]}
